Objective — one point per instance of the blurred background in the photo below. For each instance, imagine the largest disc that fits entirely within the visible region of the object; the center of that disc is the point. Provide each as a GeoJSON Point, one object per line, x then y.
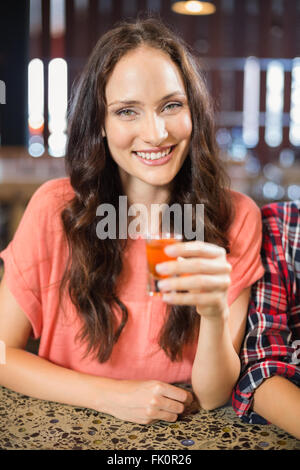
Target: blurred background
{"type": "Point", "coordinates": [250, 52]}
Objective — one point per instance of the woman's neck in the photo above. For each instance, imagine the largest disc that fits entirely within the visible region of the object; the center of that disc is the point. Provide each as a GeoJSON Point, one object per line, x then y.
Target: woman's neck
{"type": "Point", "coordinates": [141, 193]}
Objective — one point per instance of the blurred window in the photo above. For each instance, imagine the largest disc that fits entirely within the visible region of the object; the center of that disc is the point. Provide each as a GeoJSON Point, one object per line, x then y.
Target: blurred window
{"type": "Point", "coordinates": [274, 103]}
{"type": "Point", "coordinates": [295, 104]}
{"type": "Point", "coordinates": [251, 102]}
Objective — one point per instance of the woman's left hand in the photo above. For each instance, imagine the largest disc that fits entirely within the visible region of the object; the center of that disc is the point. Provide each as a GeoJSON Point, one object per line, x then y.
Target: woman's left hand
{"type": "Point", "coordinates": [206, 281]}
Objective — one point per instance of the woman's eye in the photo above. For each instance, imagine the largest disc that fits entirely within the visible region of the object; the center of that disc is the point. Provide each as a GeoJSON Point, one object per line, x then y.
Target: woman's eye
{"type": "Point", "coordinates": [173, 106]}
{"type": "Point", "coordinates": [130, 113]}
{"type": "Point", "coordinates": [125, 112]}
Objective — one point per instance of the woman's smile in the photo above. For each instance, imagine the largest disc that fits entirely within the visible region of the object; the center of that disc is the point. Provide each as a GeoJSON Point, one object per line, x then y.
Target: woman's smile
{"type": "Point", "coordinates": [155, 158]}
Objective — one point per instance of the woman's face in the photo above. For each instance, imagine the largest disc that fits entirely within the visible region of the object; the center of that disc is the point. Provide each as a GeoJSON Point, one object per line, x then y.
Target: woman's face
{"type": "Point", "coordinates": [148, 113]}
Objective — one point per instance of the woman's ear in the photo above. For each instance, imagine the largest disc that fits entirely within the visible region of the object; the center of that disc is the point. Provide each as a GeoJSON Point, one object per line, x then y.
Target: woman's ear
{"type": "Point", "coordinates": [103, 133]}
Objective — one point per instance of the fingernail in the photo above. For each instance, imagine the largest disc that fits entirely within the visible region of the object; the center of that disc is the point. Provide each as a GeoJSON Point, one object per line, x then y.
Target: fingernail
{"type": "Point", "coordinates": [161, 268]}
{"type": "Point", "coordinates": [163, 285]}
{"type": "Point", "coordinates": [170, 250]}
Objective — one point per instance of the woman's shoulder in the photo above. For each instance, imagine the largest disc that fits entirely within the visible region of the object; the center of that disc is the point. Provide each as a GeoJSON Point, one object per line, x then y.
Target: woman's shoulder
{"type": "Point", "coordinates": [247, 219]}
{"type": "Point", "coordinates": [52, 194]}
{"type": "Point", "coordinates": [47, 202]}
{"type": "Point", "coordinates": [53, 189]}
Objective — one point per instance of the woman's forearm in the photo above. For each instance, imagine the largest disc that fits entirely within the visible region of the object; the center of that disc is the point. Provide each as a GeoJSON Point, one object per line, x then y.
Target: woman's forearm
{"type": "Point", "coordinates": [278, 400]}
{"type": "Point", "coordinates": [34, 376]}
{"type": "Point", "coordinates": [138, 401]}
{"type": "Point", "coordinates": [217, 366]}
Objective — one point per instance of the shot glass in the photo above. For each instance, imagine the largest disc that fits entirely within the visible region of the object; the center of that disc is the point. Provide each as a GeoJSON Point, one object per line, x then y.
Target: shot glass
{"type": "Point", "coordinates": [155, 244]}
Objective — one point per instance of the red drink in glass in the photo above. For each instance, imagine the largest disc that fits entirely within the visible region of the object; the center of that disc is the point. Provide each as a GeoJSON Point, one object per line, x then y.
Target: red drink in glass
{"type": "Point", "coordinates": [155, 245]}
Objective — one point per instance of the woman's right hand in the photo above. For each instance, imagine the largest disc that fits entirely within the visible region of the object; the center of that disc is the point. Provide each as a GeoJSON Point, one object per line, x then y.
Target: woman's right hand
{"type": "Point", "coordinates": [143, 402]}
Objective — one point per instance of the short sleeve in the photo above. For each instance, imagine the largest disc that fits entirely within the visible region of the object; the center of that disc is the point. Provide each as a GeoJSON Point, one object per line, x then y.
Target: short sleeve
{"type": "Point", "coordinates": [245, 238]}
{"type": "Point", "coordinates": [24, 257]}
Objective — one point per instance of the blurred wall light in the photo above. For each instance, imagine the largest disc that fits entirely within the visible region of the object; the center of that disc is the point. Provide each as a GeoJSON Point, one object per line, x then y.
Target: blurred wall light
{"type": "Point", "coordinates": [273, 173]}
{"type": "Point", "coordinates": [36, 95]}
{"type": "Point", "coordinates": [36, 106]}
{"type": "Point", "coordinates": [238, 150]}
{"type": "Point", "coordinates": [252, 165]}
{"type": "Point", "coordinates": [36, 146]}
{"type": "Point", "coordinates": [35, 17]}
{"type": "Point", "coordinates": [273, 191]}
{"type": "Point", "coordinates": [194, 8]}
{"type": "Point", "coordinates": [295, 104]}
{"type": "Point", "coordinates": [251, 102]}
{"type": "Point", "coordinates": [224, 139]}
{"type": "Point", "coordinates": [57, 105]}
{"type": "Point", "coordinates": [293, 192]}
{"type": "Point", "coordinates": [57, 18]}
{"type": "Point", "coordinates": [287, 158]}
{"type": "Point", "coordinates": [274, 103]}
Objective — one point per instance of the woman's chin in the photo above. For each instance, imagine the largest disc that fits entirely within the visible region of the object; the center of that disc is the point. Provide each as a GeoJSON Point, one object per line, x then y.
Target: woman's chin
{"type": "Point", "coordinates": [159, 181]}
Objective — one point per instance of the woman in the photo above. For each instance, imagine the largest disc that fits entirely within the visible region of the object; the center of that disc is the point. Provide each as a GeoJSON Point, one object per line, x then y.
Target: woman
{"type": "Point", "coordinates": [105, 344]}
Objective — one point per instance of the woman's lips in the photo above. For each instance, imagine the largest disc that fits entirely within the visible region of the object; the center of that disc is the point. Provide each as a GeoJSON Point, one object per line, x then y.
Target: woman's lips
{"type": "Point", "coordinates": [159, 161]}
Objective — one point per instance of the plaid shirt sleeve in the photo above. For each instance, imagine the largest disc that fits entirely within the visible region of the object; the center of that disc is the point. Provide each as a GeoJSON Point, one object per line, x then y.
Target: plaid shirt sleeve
{"type": "Point", "coordinates": [272, 342]}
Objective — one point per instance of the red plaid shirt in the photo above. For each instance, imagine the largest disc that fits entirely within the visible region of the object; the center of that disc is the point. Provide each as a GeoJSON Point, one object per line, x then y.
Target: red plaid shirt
{"type": "Point", "coordinates": [272, 342]}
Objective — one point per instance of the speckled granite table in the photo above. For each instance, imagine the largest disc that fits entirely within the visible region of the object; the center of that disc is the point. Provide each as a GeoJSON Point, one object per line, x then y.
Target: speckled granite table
{"type": "Point", "coordinates": [28, 423]}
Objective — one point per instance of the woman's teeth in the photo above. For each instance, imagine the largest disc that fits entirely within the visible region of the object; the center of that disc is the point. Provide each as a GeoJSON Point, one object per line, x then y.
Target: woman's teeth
{"type": "Point", "coordinates": [154, 156]}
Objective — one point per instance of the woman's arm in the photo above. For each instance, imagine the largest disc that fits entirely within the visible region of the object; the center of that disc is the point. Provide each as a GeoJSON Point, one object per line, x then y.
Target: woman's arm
{"type": "Point", "coordinates": [26, 373]}
{"type": "Point", "coordinates": [136, 401]}
{"type": "Point", "coordinates": [216, 366]}
{"type": "Point", "coordinates": [31, 375]}
{"type": "Point", "coordinates": [34, 376]}
{"type": "Point", "coordinates": [278, 401]}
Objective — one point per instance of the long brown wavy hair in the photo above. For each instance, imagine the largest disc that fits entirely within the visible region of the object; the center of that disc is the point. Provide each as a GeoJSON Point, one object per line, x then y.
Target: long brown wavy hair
{"type": "Point", "coordinates": [94, 265]}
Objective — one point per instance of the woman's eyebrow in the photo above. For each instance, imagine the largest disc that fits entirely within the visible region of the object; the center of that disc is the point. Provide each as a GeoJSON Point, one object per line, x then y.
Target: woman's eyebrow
{"type": "Point", "coordinates": [130, 102]}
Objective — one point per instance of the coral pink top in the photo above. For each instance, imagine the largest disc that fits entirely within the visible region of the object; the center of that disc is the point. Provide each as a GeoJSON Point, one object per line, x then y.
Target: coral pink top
{"type": "Point", "coordinates": [34, 264]}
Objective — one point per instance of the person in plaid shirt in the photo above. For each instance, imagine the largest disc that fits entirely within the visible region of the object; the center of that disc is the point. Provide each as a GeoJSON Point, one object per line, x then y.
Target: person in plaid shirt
{"type": "Point", "coordinates": [268, 388]}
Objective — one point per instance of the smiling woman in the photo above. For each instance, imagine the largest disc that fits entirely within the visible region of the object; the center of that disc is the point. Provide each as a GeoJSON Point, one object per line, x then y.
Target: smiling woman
{"type": "Point", "coordinates": [140, 125]}
{"type": "Point", "coordinates": [135, 72]}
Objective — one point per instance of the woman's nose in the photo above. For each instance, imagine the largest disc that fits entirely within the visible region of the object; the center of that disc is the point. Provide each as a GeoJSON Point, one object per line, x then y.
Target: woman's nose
{"type": "Point", "coordinates": [154, 130]}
